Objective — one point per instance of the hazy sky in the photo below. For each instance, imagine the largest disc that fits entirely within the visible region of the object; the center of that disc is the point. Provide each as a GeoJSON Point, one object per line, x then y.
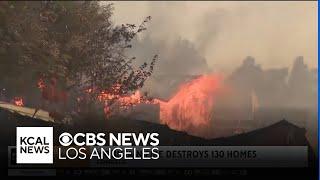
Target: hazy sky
{"type": "Point", "coordinates": [226, 32]}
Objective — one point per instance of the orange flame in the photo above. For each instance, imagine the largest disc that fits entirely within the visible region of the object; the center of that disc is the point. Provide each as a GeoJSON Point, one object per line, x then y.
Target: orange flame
{"type": "Point", "coordinates": [41, 84]}
{"type": "Point", "coordinates": [18, 101]}
{"type": "Point", "coordinates": [192, 105]}
{"type": "Point", "coordinates": [190, 108]}
{"type": "Point", "coordinates": [122, 102]}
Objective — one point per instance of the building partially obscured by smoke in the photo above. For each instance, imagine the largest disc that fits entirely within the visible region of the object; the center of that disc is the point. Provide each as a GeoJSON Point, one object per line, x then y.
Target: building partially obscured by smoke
{"type": "Point", "coordinates": [257, 97]}
{"type": "Point", "coordinates": [276, 87]}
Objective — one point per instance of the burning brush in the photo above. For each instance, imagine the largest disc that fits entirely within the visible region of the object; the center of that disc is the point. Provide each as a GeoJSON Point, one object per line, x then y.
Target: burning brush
{"type": "Point", "coordinates": [189, 108]}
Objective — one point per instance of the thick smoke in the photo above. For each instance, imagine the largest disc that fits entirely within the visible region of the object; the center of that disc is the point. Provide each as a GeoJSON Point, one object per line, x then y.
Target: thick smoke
{"type": "Point", "coordinates": [179, 61]}
{"type": "Point", "coordinates": [225, 32]}
{"type": "Point", "coordinates": [263, 96]}
{"type": "Point", "coordinates": [275, 87]}
{"type": "Point", "coordinates": [194, 38]}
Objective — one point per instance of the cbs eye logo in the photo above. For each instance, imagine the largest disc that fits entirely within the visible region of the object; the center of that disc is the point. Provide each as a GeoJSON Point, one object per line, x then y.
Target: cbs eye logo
{"type": "Point", "coordinates": [65, 139]}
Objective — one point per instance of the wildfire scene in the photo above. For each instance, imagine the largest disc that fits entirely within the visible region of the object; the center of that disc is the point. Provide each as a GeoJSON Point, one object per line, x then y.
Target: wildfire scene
{"type": "Point", "coordinates": [197, 73]}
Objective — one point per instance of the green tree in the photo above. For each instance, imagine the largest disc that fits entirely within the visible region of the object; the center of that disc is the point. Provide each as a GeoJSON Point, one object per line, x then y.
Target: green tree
{"type": "Point", "coordinates": [75, 42]}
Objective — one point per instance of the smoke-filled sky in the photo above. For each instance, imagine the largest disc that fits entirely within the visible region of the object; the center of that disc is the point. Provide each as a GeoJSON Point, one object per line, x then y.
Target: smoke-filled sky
{"type": "Point", "coordinates": [224, 33]}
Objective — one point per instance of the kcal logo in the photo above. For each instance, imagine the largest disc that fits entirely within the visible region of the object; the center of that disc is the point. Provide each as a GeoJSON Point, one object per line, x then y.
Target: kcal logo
{"type": "Point", "coordinates": [34, 145]}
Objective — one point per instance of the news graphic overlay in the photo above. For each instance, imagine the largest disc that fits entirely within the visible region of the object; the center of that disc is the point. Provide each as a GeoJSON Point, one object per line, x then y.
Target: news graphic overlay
{"type": "Point", "coordinates": [34, 145]}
